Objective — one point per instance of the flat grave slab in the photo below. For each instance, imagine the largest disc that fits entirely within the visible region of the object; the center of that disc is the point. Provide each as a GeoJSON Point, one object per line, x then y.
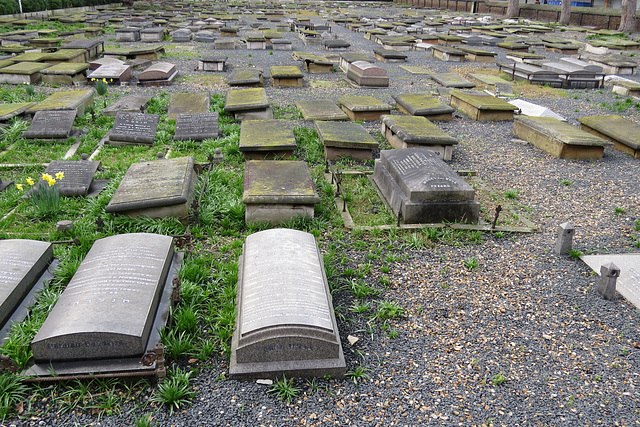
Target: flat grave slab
{"type": "Point", "coordinates": [78, 100]}
{"type": "Point", "coordinates": [286, 76]}
{"type": "Point", "coordinates": [196, 126]}
{"type": "Point", "coordinates": [446, 53]}
{"type": "Point", "coordinates": [134, 128]}
{"type": "Point", "coordinates": [277, 191]}
{"type": "Point", "coordinates": [67, 74]}
{"type": "Point", "coordinates": [107, 60]}
{"type": "Point", "coordinates": [482, 107]}
{"type": "Point", "coordinates": [626, 88]}
{"type": "Point", "coordinates": [127, 104]}
{"type": "Point", "coordinates": [320, 109]}
{"type": "Point", "coordinates": [158, 74]}
{"type": "Point", "coordinates": [245, 77]}
{"type": "Point", "coordinates": [418, 185]}
{"type": "Point", "coordinates": [108, 309]}
{"type": "Point", "coordinates": [8, 111]}
{"type": "Point", "coordinates": [423, 104]}
{"type": "Point", "coordinates": [225, 44]}
{"type": "Point", "coordinates": [628, 283]}
{"type": "Point", "coordinates": [558, 138]}
{"type": "Point", "coordinates": [92, 47]}
{"type": "Point", "coordinates": [66, 55]}
{"type": "Point", "coordinates": [111, 73]}
{"type": "Point", "coordinates": [389, 55]}
{"type": "Point", "coordinates": [416, 131]}
{"type": "Point", "coordinates": [267, 139]}
{"type": "Point", "coordinates": [364, 107]}
{"type": "Point", "coordinates": [22, 73]}
{"type": "Point", "coordinates": [285, 324]}
{"type": "Point", "coordinates": [487, 79]}
{"type": "Point", "coordinates": [51, 125]}
{"type": "Point", "coordinates": [78, 176]}
{"type": "Point", "coordinates": [478, 55]}
{"type": "Point", "coordinates": [453, 80]}
{"type": "Point", "coordinates": [212, 63]}
{"type": "Point", "coordinates": [348, 58]}
{"type": "Point", "coordinates": [527, 108]}
{"type": "Point", "coordinates": [345, 139]}
{"type": "Point", "coordinates": [248, 104]}
{"type": "Point", "coordinates": [367, 74]}
{"type": "Point", "coordinates": [157, 189]}
{"type": "Point", "coordinates": [22, 264]}
{"type": "Point", "coordinates": [314, 64]}
{"type": "Point", "coordinates": [624, 133]}
{"type": "Point", "coordinates": [187, 103]}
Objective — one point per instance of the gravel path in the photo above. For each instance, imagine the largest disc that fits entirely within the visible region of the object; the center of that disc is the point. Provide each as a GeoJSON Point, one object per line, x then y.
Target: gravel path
{"type": "Point", "coordinates": [568, 358]}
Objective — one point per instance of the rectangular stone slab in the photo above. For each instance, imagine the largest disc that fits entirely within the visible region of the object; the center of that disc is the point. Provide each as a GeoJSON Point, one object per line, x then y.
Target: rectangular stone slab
{"type": "Point", "coordinates": [345, 135]}
{"type": "Point", "coordinates": [364, 107]}
{"type": "Point", "coordinates": [147, 187]}
{"type": "Point", "coordinates": [112, 72]}
{"type": "Point", "coordinates": [421, 187]}
{"type": "Point", "coordinates": [320, 109]}
{"type": "Point", "coordinates": [66, 100]}
{"type": "Point", "coordinates": [278, 181]}
{"type": "Point", "coordinates": [159, 71]}
{"type": "Point", "coordinates": [127, 104]}
{"type": "Point", "coordinates": [285, 324]}
{"type": "Point", "coordinates": [417, 131]}
{"type": "Point", "coordinates": [196, 127]}
{"type": "Point", "coordinates": [266, 136]}
{"type": "Point", "coordinates": [423, 104]}
{"type": "Point", "coordinates": [21, 264]}
{"type": "Point", "coordinates": [452, 80]}
{"type": "Point", "coordinates": [8, 111]}
{"type": "Point", "coordinates": [54, 124]}
{"type": "Point", "coordinates": [108, 307]}
{"type": "Point", "coordinates": [187, 103]}
{"type": "Point", "coordinates": [558, 138]}
{"type": "Point", "coordinates": [246, 99]}
{"type": "Point", "coordinates": [482, 106]}
{"type": "Point", "coordinates": [78, 176]}
{"type": "Point", "coordinates": [624, 133]}
{"type": "Point", "coordinates": [245, 77]}
{"type": "Point", "coordinates": [134, 128]}
{"type": "Point", "coordinates": [286, 76]}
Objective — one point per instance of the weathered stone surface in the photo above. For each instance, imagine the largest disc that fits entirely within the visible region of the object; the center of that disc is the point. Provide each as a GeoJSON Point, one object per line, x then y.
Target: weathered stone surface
{"type": "Point", "coordinates": [487, 79]}
{"type": "Point", "coordinates": [446, 53]}
{"type": "Point", "coordinates": [108, 307]}
{"type": "Point", "coordinates": [196, 126]}
{"type": "Point", "coordinates": [286, 76]}
{"type": "Point", "coordinates": [628, 283]}
{"type": "Point", "coordinates": [157, 189]}
{"type": "Point", "coordinates": [367, 74]}
{"type": "Point", "coordinates": [416, 131]}
{"type": "Point", "coordinates": [127, 104]}
{"type": "Point", "coordinates": [278, 190]}
{"type": "Point", "coordinates": [54, 124]}
{"type": "Point", "coordinates": [558, 138]}
{"type": "Point", "coordinates": [422, 188]}
{"type": "Point", "coordinates": [8, 111]}
{"type": "Point", "coordinates": [364, 107]}
{"type": "Point", "coordinates": [264, 139]}
{"type": "Point", "coordinates": [345, 139]}
{"type": "Point", "coordinates": [134, 128]}
{"type": "Point", "coordinates": [158, 71]}
{"type": "Point", "coordinates": [624, 133]}
{"type": "Point", "coordinates": [423, 104]}
{"type": "Point", "coordinates": [482, 106]}
{"type": "Point", "coordinates": [78, 176]}
{"type": "Point", "coordinates": [243, 101]}
{"type": "Point", "coordinates": [245, 77]}
{"type": "Point", "coordinates": [187, 103]}
{"type": "Point", "coordinates": [320, 109]}
{"type": "Point", "coordinates": [21, 264]}
{"type": "Point", "coordinates": [454, 80]}
{"type": "Point", "coordinates": [66, 100]}
{"type": "Point", "coordinates": [215, 63]}
{"type": "Point", "coordinates": [22, 73]}
{"type": "Point", "coordinates": [111, 73]}
{"type": "Point", "coordinates": [285, 322]}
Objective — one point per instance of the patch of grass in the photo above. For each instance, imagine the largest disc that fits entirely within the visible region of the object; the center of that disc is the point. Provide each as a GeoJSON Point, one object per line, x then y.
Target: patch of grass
{"type": "Point", "coordinates": [359, 374]}
{"type": "Point", "coordinates": [284, 389]}
{"type": "Point", "coordinates": [390, 310]}
{"type": "Point", "coordinates": [619, 211]}
{"type": "Point", "coordinates": [566, 182]}
{"type": "Point", "coordinates": [364, 205]}
{"type": "Point", "coordinates": [499, 379]}
{"type": "Point", "coordinates": [575, 254]}
{"type": "Point", "coordinates": [175, 391]}
{"type": "Point", "coordinates": [471, 263]}
{"type": "Point", "coordinates": [12, 391]}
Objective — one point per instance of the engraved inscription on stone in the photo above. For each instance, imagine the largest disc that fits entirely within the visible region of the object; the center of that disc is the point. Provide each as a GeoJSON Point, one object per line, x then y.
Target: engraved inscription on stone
{"type": "Point", "coordinates": [197, 126]}
{"type": "Point", "coordinates": [78, 176]}
{"type": "Point", "coordinates": [21, 263]}
{"type": "Point", "coordinates": [108, 307]}
{"type": "Point", "coordinates": [134, 128]}
{"type": "Point", "coordinates": [51, 124]}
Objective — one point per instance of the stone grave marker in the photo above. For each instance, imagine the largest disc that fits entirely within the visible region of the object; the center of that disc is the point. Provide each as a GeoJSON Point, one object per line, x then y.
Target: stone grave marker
{"type": "Point", "coordinates": [111, 73]}
{"type": "Point", "coordinates": [420, 186]}
{"type": "Point", "coordinates": [345, 139]}
{"type": "Point", "coordinates": [92, 47]}
{"type": "Point", "coordinates": [157, 189]}
{"type": "Point", "coordinates": [127, 34]}
{"type": "Point", "coordinates": [8, 111]}
{"type": "Point", "coordinates": [134, 128]}
{"type": "Point", "coordinates": [127, 104]}
{"type": "Point", "coordinates": [66, 74]}
{"type": "Point", "coordinates": [204, 36]}
{"type": "Point", "coordinates": [267, 139]}
{"type": "Point", "coordinates": [78, 176]}
{"type": "Point", "coordinates": [22, 263]}
{"type": "Point", "coordinates": [107, 60]}
{"type": "Point", "coordinates": [79, 100]}
{"type": "Point", "coordinates": [453, 80]}
{"type": "Point", "coordinates": [108, 309]}
{"type": "Point", "coordinates": [417, 131]}
{"type": "Point", "coordinates": [50, 125]}
{"type": "Point", "coordinates": [196, 126]}
{"type": "Point", "coordinates": [350, 57]}
{"type": "Point", "coordinates": [187, 103]}
{"type": "Point", "coordinates": [320, 109]}
{"type": "Point", "coordinates": [224, 44]}
{"type": "Point", "coordinates": [152, 34]}
{"type": "Point", "coordinates": [248, 104]}
{"type": "Point", "coordinates": [245, 77]}
{"type": "Point", "coordinates": [277, 191]}
{"type": "Point", "coordinates": [158, 74]}
{"type": "Point", "coordinates": [527, 108]}
{"type": "Point", "coordinates": [285, 324]}
{"type": "Point", "coordinates": [389, 55]}
{"type": "Point", "coordinates": [22, 73]}
{"type": "Point", "coordinates": [286, 76]}
{"type": "Point", "coordinates": [364, 107]}
{"type": "Point", "coordinates": [482, 106]}
{"type": "Point", "coordinates": [5, 184]}
{"type": "Point", "coordinates": [367, 74]}
{"type": "Point", "coordinates": [423, 104]}
{"type": "Point", "coordinates": [624, 133]}
{"type": "Point", "coordinates": [212, 63]}
{"type": "Point", "coordinates": [628, 283]}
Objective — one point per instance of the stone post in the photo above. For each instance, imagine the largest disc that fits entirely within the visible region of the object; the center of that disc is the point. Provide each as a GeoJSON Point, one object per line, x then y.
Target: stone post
{"type": "Point", "coordinates": [609, 274]}
{"type": "Point", "coordinates": [565, 238]}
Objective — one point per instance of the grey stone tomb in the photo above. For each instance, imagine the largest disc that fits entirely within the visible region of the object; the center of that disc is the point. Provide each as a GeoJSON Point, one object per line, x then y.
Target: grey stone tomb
{"type": "Point", "coordinates": [196, 127]}
{"type": "Point", "coordinates": [78, 176]}
{"type": "Point", "coordinates": [285, 323]}
{"type": "Point", "coordinates": [127, 104]}
{"type": "Point", "coordinates": [52, 124]}
{"type": "Point", "coordinates": [134, 128]}
{"type": "Point", "coordinates": [421, 187]}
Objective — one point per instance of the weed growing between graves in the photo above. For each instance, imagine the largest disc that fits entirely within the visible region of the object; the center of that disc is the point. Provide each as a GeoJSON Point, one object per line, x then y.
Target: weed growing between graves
{"type": "Point", "coordinates": [620, 106]}
{"type": "Point", "coordinates": [175, 391]}
{"type": "Point", "coordinates": [284, 389]}
{"type": "Point", "coordinates": [364, 204]}
{"type": "Point", "coordinates": [12, 391]}
{"type": "Point", "coordinates": [310, 147]}
{"type": "Point", "coordinates": [286, 112]}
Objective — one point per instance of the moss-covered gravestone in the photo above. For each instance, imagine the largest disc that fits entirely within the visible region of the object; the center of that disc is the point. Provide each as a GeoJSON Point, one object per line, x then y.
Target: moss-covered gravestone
{"type": "Point", "coordinates": [127, 104]}
{"type": "Point", "coordinates": [321, 109]}
{"type": "Point", "coordinates": [8, 111]}
{"type": "Point", "coordinates": [245, 77]}
{"type": "Point", "coordinates": [248, 104]}
{"type": "Point", "coordinates": [78, 100]}
{"type": "Point", "coordinates": [187, 103]}
{"type": "Point", "coordinates": [478, 55]}
{"type": "Point", "coordinates": [423, 104]}
{"type": "Point", "coordinates": [267, 139]}
{"type": "Point", "coordinates": [277, 191]}
{"type": "Point", "coordinates": [626, 88]}
{"type": "Point", "coordinates": [286, 76]}
{"type": "Point", "coordinates": [345, 139]}
{"type": "Point", "coordinates": [624, 133]}
{"type": "Point", "coordinates": [66, 55]}
{"type": "Point", "coordinates": [22, 73]}
{"type": "Point", "coordinates": [453, 80]}
{"type": "Point", "coordinates": [416, 131]}
{"type": "Point", "coordinates": [364, 107]}
{"type": "Point", "coordinates": [446, 53]}
{"type": "Point", "coordinates": [67, 74]}
{"type": "Point", "coordinates": [481, 106]}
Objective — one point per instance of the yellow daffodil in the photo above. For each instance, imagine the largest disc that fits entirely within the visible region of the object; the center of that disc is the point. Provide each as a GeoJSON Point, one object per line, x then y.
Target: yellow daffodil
{"type": "Point", "coordinates": [30, 181]}
{"type": "Point", "coordinates": [59, 175]}
{"type": "Point", "coordinates": [104, 80]}
{"type": "Point", "coordinates": [19, 187]}
{"type": "Point", "coordinates": [46, 177]}
{"type": "Point", "coordinates": [51, 182]}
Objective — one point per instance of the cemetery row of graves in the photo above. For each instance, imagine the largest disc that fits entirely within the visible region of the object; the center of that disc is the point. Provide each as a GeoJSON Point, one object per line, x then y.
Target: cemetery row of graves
{"type": "Point", "coordinates": [252, 229]}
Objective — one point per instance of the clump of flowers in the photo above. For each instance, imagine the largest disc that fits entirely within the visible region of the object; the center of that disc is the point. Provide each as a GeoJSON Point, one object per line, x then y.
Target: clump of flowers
{"type": "Point", "coordinates": [45, 195]}
{"type": "Point", "coordinates": [101, 86]}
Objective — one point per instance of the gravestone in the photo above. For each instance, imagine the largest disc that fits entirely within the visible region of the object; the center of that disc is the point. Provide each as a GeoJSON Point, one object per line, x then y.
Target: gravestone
{"type": "Point", "coordinates": [111, 73]}
{"type": "Point", "coordinates": [423, 104]}
{"type": "Point", "coordinates": [49, 125]}
{"type": "Point", "coordinates": [8, 111]}
{"type": "Point", "coordinates": [628, 283]}
{"type": "Point", "coordinates": [213, 63]}
{"type": "Point", "coordinates": [421, 187]}
{"type": "Point", "coordinates": [66, 74]}
{"type": "Point", "coordinates": [624, 133]}
{"type": "Point", "coordinates": [320, 109]}
{"type": "Point", "coordinates": [158, 74]}
{"type": "Point", "coordinates": [196, 126]}
{"type": "Point", "coordinates": [481, 106]}
{"type": "Point", "coordinates": [134, 128]}
{"type": "Point", "coordinates": [345, 139]}
{"type": "Point", "coordinates": [183, 35]}
{"type": "Point", "coordinates": [22, 73]}
{"type": "Point", "coordinates": [107, 60]}
{"type": "Point", "coordinates": [79, 100]}
{"type": "Point", "coordinates": [527, 108]}
{"type": "Point", "coordinates": [367, 74]}
{"type": "Point", "coordinates": [389, 55]}
{"type": "Point", "coordinates": [152, 34]}
{"type": "Point", "coordinates": [108, 309]}
{"type": "Point", "coordinates": [364, 107]}
{"type": "Point", "coordinates": [417, 131]}
{"type": "Point", "coordinates": [454, 80]}
{"type": "Point", "coordinates": [224, 44]}
{"type": "Point", "coordinates": [78, 176]}
{"type": "Point", "coordinates": [127, 34]}
{"type": "Point", "coordinates": [204, 36]}
{"type": "Point", "coordinates": [277, 191]}
{"type": "Point", "coordinates": [156, 189]}
{"type": "Point", "coordinates": [127, 104]}
{"type": "Point", "coordinates": [187, 103]}
{"type": "Point", "coordinates": [285, 324]}
{"type": "Point", "coordinates": [446, 53]}
{"type": "Point", "coordinates": [267, 139]}
{"type": "Point", "coordinates": [248, 104]}
{"type": "Point", "coordinates": [286, 76]}
{"type": "Point", "coordinates": [22, 263]}
{"type": "Point", "coordinates": [245, 77]}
